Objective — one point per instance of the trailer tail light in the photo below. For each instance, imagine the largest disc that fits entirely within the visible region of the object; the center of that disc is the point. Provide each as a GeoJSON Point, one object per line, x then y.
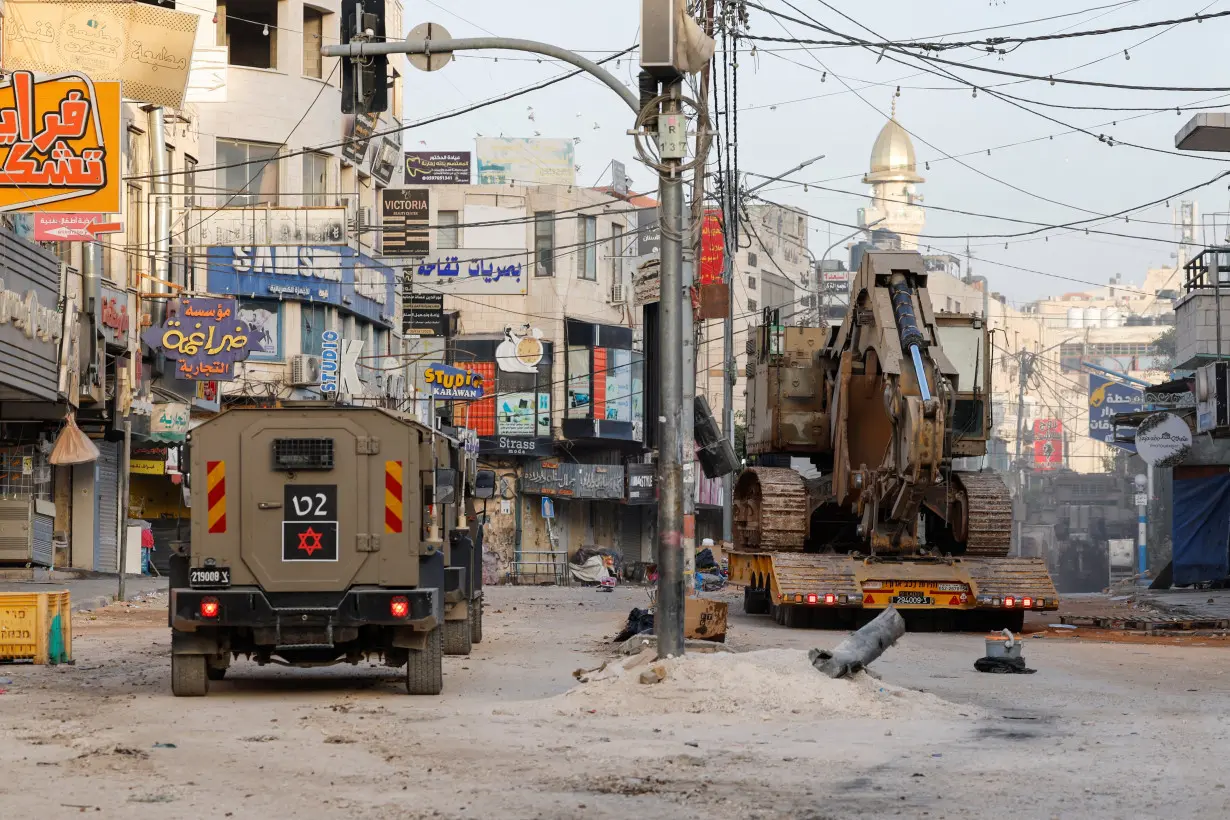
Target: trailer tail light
{"type": "Point", "coordinates": [399, 607]}
{"type": "Point", "coordinates": [813, 598]}
{"type": "Point", "coordinates": [1027, 602]}
{"type": "Point", "coordinates": [1009, 602]}
{"type": "Point", "coordinates": [995, 602]}
{"type": "Point", "coordinates": [209, 607]}
{"type": "Point", "coordinates": [798, 598]}
{"type": "Point", "coordinates": [830, 599]}
{"type": "Point", "coordinates": [1039, 602]}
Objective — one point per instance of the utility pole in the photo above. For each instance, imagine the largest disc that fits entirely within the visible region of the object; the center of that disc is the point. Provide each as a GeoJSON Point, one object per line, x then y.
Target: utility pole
{"type": "Point", "coordinates": [659, 56]}
{"type": "Point", "coordinates": [1026, 360]}
{"type": "Point", "coordinates": [729, 372]}
{"type": "Point", "coordinates": [668, 614]}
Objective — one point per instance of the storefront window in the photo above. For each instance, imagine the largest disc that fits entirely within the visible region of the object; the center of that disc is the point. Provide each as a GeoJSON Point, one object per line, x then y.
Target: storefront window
{"type": "Point", "coordinates": [579, 383]}
{"type": "Point", "coordinates": [618, 385]}
{"type": "Point", "coordinates": [315, 322]}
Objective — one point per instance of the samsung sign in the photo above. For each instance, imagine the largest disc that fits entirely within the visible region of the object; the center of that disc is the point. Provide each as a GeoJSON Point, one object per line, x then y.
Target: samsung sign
{"type": "Point", "coordinates": [337, 276]}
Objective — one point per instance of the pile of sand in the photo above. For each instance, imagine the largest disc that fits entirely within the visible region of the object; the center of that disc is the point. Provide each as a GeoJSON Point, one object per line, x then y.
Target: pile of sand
{"type": "Point", "coordinates": [770, 681]}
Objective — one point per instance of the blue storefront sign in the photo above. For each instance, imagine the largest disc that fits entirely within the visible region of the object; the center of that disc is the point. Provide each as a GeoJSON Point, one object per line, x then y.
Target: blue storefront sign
{"type": "Point", "coordinates": [447, 382]}
{"type": "Point", "coordinates": [337, 276]}
{"type": "Point", "coordinates": [1106, 398]}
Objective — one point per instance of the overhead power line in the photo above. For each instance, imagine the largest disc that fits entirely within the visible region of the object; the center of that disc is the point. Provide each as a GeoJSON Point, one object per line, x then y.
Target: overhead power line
{"type": "Point", "coordinates": [991, 44]}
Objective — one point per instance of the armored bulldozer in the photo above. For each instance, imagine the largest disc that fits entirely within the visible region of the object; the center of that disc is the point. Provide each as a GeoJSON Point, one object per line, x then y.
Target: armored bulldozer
{"type": "Point", "coordinates": [856, 500]}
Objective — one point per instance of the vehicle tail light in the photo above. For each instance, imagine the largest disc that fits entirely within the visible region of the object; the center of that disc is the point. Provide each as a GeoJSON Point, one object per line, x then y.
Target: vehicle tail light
{"type": "Point", "coordinates": [1027, 602]}
{"type": "Point", "coordinates": [813, 598]}
{"type": "Point", "coordinates": [995, 602]}
{"type": "Point", "coordinates": [841, 599]}
{"type": "Point", "coordinates": [1010, 601]}
{"type": "Point", "coordinates": [798, 599]}
{"type": "Point", "coordinates": [1039, 602]}
{"type": "Point", "coordinates": [209, 607]}
{"type": "Point", "coordinates": [399, 606]}
{"type": "Point", "coordinates": [830, 599]}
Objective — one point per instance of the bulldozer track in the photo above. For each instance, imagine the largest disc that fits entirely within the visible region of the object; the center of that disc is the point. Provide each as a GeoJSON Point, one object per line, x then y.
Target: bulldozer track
{"type": "Point", "coordinates": [771, 510]}
{"type": "Point", "coordinates": [988, 514]}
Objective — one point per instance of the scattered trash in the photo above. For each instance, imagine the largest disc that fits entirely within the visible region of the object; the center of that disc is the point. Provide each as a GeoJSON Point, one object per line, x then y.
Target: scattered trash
{"type": "Point", "coordinates": [6, 681]}
{"type": "Point", "coordinates": [165, 746]}
{"type": "Point", "coordinates": [1061, 626]}
{"type": "Point", "coordinates": [691, 743]}
{"type": "Point", "coordinates": [654, 674]}
{"type": "Point", "coordinates": [864, 646]}
{"type": "Point", "coordinates": [639, 621]}
{"type": "Point", "coordinates": [1003, 656]}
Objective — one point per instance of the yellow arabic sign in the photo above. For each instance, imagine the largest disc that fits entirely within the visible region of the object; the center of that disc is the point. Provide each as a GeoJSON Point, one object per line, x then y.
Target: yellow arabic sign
{"type": "Point", "coordinates": [144, 467]}
{"type": "Point", "coordinates": [145, 46]}
{"type": "Point", "coordinates": [59, 145]}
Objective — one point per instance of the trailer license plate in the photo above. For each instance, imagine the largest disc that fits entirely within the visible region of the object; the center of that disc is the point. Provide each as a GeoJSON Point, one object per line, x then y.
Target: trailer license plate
{"type": "Point", "coordinates": [210, 578]}
{"type": "Point", "coordinates": [912, 598]}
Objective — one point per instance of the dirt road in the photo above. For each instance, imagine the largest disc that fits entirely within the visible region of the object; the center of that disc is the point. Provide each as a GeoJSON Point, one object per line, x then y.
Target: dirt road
{"type": "Point", "coordinates": [1101, 731]}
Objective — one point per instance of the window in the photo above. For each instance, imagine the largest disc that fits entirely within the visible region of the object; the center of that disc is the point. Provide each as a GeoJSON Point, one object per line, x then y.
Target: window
{"type": "Point", "coordinates": [751, 306]}
{"type": "Point", "coordinates": [315, 178]}
{"type": "Point", "coordinates": [617, 235]}
{"type": "Point", "coordinates": [313, 38]}
{"type": "Point", "coordinates": [751, 260]}
{"type": "Point", "coordinates": [544, 243]}
{"type": "Point", "coordinates": [751, 283]}
{"type": "Point", "coordinates": [249, 173]}
{"type": "Point", "coordinates": [189, 181]}
{"type": "Point", "coordinates": [315, 321]}
{"type": "Point", "coordinates": [448, 235]}
{"type": "Point", "coordinates": [588, 235]}
{"type": "Point", "coordinates": [251, 36]}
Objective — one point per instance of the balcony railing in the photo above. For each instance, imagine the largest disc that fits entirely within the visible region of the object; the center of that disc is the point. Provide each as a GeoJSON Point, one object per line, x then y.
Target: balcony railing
{"type": "Point", "coordinates": [1208, 270]}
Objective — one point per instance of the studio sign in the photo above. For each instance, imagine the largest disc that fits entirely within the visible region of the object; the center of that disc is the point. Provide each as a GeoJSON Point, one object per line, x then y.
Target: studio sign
{"type": "Point", "coordinates": [28, 316]}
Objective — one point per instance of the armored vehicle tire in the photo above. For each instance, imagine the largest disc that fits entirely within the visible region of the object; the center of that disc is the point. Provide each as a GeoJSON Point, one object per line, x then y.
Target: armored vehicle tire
{"type": "Point", "coordinates": [189, 678]}
{"type": "Point", "coordinates": [215, 672]}
{"type": "Point", "coordinates": [476, 620]}
{"type": "Point", "coordinates": [425, 669]}
{"type": "Point", "coordinates": [458, 635]}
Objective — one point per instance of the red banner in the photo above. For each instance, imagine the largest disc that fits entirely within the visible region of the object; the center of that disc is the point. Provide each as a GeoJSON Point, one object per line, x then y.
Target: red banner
{"type": "Point", "coordinates": [1048, 454]}
{"type": "Point", "coordinates": [712, 248]}
{"type": "Point", "coordinates": [1048, 428]}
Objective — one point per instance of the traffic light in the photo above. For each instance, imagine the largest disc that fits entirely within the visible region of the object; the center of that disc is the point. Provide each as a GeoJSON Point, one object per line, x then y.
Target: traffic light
{"type": "Point", "coordinates": [365, 81]}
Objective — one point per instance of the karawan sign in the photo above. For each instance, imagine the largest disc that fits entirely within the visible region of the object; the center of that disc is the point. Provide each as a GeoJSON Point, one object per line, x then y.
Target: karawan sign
{"type": "Point", "coordinates": [59, 144]}
{"type": "Point", "coordinates": [204, 336]}
{"type": "Point", "coordinates": [446, 382]}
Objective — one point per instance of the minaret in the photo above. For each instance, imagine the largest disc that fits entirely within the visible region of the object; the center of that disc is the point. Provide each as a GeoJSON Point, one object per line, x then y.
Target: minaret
{"type": "Point", "coordinates": [892, 178]}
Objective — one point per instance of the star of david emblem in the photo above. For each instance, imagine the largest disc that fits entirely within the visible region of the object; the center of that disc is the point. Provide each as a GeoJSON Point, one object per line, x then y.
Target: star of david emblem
{"type": "Point", "coordinates": [309, 541]}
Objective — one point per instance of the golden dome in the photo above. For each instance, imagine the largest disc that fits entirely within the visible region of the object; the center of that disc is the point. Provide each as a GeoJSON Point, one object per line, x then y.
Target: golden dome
{"type": "Point", "coordinates": [892, 156]}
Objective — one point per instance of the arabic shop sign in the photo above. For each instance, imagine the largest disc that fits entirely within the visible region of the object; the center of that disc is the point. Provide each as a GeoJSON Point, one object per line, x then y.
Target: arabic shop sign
{"type": "Point", "coordinates": [145, 46]}
{"type": "Point", "coordinates": [116, 319]}
{"type": "Point", "coordinates": [59, 144]}
{"type": "Point", "coordinates": [559, 478]}
{"type": "Point", "coordinates": [641, 483]}
{"type": "Point", "coordinates": [1106, 398]}
{"type": "Point", "coordinates": [338, 276]}
{"type": "Point", "coordinates": [204, 336]}
{"type": "Point", "coordinates": [169, 422]}
{"type": "Point", "coordinates": [495, 272]}
{"type": "Point", "coordinates": [437, 168]}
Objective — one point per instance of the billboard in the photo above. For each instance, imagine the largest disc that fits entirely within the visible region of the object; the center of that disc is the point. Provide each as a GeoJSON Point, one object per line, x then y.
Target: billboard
{"type": "Point", "coordinates": [712, 250]}
{"type": "Point", "coordinates": [404, 218]}
{"type": "Point", "coordinates": [422, 314]}
{"type": "Point", "coordinates": [487, 272]}
{"type": "Point", "coordinates": [146, 47]}
{"type": "Point", "coordinates": [509, 161]}
{"type": "Point", "coordinates": [205, 336]}
{"type": "Point", "coordinates": [358, 130]}
{"type": "Point", "coordinates": [213, 227]}
{"type": "Point", "coordinates": [59, 145]}
{"type": "Point", "coordinates": [437, 167]}
{"type": "Point", "coordinates": [337, 276]}
{"type": "Point", "coordinates": [1106, 398]}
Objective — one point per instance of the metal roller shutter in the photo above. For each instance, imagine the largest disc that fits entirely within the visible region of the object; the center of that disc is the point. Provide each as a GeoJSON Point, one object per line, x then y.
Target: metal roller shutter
{"type": "Point", "coordinates": [106, 547]}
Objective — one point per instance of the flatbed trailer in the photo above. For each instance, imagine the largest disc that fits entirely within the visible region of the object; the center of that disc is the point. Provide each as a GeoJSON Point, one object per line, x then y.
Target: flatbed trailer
{"type": "Point", "coordinates": [965, 593]}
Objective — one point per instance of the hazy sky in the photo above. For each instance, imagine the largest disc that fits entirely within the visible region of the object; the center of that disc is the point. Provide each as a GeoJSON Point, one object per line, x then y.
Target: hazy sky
{"type": "Point", "coordinates": [779, 128]}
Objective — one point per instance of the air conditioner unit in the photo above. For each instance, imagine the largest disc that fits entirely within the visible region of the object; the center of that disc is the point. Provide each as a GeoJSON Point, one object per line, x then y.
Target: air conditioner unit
{"type": "Point", "coordinates": [304, 370]}
{"type": "Point", "coordinates": [618, 296]}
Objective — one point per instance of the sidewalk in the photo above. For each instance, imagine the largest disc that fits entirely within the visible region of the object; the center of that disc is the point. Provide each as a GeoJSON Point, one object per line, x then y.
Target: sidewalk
{"type": "Point", "coordinates": [1198, 604]}
{"type": "Point", "coordinates": [88, 590]}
